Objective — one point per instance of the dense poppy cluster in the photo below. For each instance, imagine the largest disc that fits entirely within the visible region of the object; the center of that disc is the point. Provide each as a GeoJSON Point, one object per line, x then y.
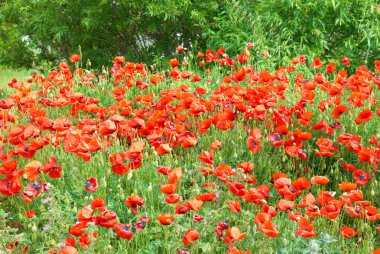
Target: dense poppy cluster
{"type": "Point", "coordinates": [324, 113]}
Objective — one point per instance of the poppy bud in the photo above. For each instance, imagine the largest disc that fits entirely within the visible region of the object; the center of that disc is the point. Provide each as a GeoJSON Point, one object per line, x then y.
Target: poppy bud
{"type": "Point", "coordinates": [372, 192]}
{"type": "Point", "coordinates": [34, 228]}
{"type": "Point", "coordinates": [150, 187]}
{"type": "Point", "coordinates": [52, 242]}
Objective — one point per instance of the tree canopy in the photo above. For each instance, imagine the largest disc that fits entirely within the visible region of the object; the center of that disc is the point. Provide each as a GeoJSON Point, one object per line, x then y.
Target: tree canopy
{"type": "Point", "coordinates": [48, 30]}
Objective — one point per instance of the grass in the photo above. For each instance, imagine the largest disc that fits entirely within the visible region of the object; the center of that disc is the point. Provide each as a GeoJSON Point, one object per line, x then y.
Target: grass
{"type": "Point", "coordinates": [7, 74]}
{"type": "Point", "coordinates": [67, 195]}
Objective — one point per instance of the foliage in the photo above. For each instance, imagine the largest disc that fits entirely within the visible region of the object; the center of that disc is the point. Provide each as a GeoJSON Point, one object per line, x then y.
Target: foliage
{"type": "Point", "coordinates": [44, 30]}
{"type": "Point", "coordinates": [328, 28]}
{"type": "Point", "coordinates": [70, 136]}
{"type": "Point", "coordinates": [106, 28]}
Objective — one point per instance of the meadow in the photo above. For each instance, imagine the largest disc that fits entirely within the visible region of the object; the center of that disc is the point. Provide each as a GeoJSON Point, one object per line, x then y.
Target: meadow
{"type": "Point", "coordinates": [209, 153]}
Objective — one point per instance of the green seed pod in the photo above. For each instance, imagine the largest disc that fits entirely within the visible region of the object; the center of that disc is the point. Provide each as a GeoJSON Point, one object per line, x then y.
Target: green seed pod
{"type": "Point", "coordinates": [323, 165]}
{"type": "Point", "coordinates": [129, 176]}
{"type": "Point", "coordinates": [42, 208]}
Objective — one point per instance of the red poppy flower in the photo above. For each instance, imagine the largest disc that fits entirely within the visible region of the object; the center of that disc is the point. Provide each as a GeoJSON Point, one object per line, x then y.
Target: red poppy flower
{"type": "Point", "coordinates": [68, 250]}
{"type": "Point", "coordinates": [317, 63]}
{"type": "Point", "coordinates": [348, 232]}
{"type": "Point", "coordinates": [123, 230]}
{"type": "Point", "coordinates": [330, 68]}
{"type": "Point", "coordinates": [346, 61]}
{"type": "Point", "coordinates": [168, 188]}
{"type": "Point", "coordinates": [294, 216]}
{"type": "Point", "coordinates": [141, 223]}
{"type": "Point", "coordinates": [206, 196]}
{"type": "Point", "coordinates": [74, 58]}
{"type": "Point", "coordinates": [107, 219]}
{"type": "Point", "coordinates": [321, 180]}
{"type": "Point", "coordinates": [261, 218]}
{"type": "Point", "coordinates": [306, 229]}
{"type": "Point", "coordinates": [307, 201]}
{"type": "Point", "coordinates": [235, 235]}
{"type": "Point", "coordinates": [254, 144]}
{"type": "Point", "coordinates": [165, 219]}
{"type": "Point", "coordinates": [180, 49]}
{"type": "Point", "coordinates": [133, 201]}
{"type": "Point", "coordinates": [215, 145]}
{"type": "Point", "coordinates": [85, 214]}
{"type": "Point", "coordinates": [364, 116]}
{"type": "Point", "coordinates": [194, 204]}
{"type": "Point", "coordinates": [284, 205]}
{"type": "Point", "coordinates": [119, 59]}
{"type": "Point", "coordinates": [207, 157]}
{"type": "Point", "coordinates": [98, 203]}
{"type": "Point", "coordinates": [174, 62]}
{"type": "Point", "coordinates": [52, 168]}
{"type": "Point", "coordinates": [30, 213]}
{"type": "Point", "coordinates": [326, 147]}
{"type": "Point", "coordinates": [190, 236]}
{"type": "Point", "coordinates": [338, 111]}
{"type": "Point", "coordinates": [197, 217]}
{"type": "Point", "coordinates": [275, 139]}
{"type": "Point", "coordinates": [361, 177]}
{"type": "Point", "coordinates": [189, 142]}
{"type": "Point", "coordinates": [91, 184]}
{"type": "Point", "coordinates": [77, 229]}
{"type": "Point", "coordinates": [325, 197]}
{"type": "Point", "coordinates": [246, 166]}
{"type": "Point", "coordinates": [234, 206]}
{"type": "Point", "coordinates": [301, 184]}
{"type": "Point", "coordinates": [173, 199]}
{"type": "Point", "coordinates": [163, 149]}
{"type": "Point", "coordinates": [347, 186]}
{"type": "Point", "coordinates": [269, 229]}
{"type": "Point", "coordinates": [32, 170]}
{"type": "Point", "coordinates": [332, 209]}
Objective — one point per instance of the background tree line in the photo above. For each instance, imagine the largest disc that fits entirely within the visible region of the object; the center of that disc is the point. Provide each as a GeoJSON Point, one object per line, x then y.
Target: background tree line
{"type": "Point", "coordinates": [44, 31]}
